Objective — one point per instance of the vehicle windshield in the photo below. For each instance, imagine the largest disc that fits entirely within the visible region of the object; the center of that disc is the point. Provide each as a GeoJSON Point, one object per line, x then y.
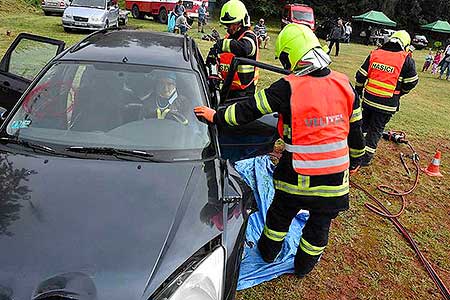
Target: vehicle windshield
{"type": "Point", "coordinates": [89, 3]}
{"type": "Point", "coordinates": [121, 106]}
{"type": "Point", "coordinates": [303, 15]}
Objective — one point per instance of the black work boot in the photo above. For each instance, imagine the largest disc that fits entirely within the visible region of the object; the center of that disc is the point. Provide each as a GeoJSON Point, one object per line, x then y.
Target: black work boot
{"type": "Point", "coordinates": [269, 249]}
{"type": "Point", "coordinates": [366, 159]}
{"type": "Point", "coordinates": [305, 263]}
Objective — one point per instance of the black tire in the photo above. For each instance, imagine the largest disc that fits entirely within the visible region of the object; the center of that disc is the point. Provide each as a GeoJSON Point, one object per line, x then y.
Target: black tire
{"type": "Point", "coordinates": [136, 13]}
{"type": "Point", "coordinates": [162, 16]}
{"type": "Point", "coordinates": [47, 13]}
{"type": "Point", "coordinates": [67, 29]}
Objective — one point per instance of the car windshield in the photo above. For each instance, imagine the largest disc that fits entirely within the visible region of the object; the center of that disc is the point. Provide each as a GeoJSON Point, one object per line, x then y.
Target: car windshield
{"type": "Point", "coordinates": [89, 3]}
{"type": "Point", "coordinates": [120, 106]}
{"type": "Point", "coordinates": [302, 15]}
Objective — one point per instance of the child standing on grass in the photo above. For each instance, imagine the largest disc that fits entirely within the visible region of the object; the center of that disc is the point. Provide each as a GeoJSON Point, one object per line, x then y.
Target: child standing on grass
{"type": "Point", "coordinates": [428, 61]}
{"type": "Point", "coordinates": [436, 61]}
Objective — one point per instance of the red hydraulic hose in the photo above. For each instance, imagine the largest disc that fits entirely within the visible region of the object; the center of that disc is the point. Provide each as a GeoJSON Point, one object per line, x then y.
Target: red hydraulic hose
{"type": "Point", "coordinates": [381, 210]}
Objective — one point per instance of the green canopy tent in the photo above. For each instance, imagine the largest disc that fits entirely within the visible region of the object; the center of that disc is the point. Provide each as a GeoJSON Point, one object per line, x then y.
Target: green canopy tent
{"type": "Point", "coordinates": [376, 17]}
{"type": "Point", "coordinates": [438, 26]}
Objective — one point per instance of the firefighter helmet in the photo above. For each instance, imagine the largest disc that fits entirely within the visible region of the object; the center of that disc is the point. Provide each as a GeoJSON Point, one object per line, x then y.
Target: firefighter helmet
{"type": "Point", "coordinates": [234, 11]}
{"type": "Point", "coordinates": [401, 37]}
{"type": "Point", "coordinates": [296, 40]}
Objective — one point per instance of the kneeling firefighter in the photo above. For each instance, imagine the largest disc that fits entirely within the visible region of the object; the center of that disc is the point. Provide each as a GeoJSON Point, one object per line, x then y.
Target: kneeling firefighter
{"type": "Point", "coordinates": [239, 41]}
{"type": "Point", "coordinates": [320, 122]}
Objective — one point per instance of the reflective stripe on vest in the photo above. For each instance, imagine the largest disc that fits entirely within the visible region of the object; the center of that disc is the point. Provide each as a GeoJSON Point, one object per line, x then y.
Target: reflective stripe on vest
{"type": "Point", "coordinates": [225, 60]}
{"type": "Point", "coordinates": [303, 189]}
{"type": "Point", "coordinates": [384, 72]}
{"type": "Point", "coordinates": [320, 125]}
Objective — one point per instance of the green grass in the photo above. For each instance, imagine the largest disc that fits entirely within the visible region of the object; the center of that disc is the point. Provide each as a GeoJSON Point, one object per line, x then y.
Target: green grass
{"type": "Point", "coordinates": [366, 257]}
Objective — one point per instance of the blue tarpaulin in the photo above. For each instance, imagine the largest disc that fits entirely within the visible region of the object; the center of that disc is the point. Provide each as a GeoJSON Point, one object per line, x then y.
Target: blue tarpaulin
{"type": "Point", "coordinates": [258, 174]}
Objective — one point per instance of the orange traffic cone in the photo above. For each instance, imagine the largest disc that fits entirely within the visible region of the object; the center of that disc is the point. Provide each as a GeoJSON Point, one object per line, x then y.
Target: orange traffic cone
{"type": "Point", "coordinates": [433, 167]}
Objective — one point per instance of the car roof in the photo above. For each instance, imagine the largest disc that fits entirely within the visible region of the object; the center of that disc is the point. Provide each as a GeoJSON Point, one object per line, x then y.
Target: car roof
{"type": "Point", "coordinates": [134, 47]}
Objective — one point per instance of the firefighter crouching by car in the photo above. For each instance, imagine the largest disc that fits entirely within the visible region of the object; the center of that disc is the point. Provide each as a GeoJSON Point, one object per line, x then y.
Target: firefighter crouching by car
{"type": "Point", "coordinates": [387, 74]}
{"type": "Point", "coordinates": [320, 122]}
{"type": "Point", "coordinates": [239, 41]}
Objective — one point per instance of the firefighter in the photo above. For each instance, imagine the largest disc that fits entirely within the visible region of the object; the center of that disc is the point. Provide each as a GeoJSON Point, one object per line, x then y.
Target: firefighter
{"type": "Point", "coordinates": [239, 41]}
{"type": "Point", "coordinates": [387, 74]}
{"type": "Point", "coordinates": [320, 122]}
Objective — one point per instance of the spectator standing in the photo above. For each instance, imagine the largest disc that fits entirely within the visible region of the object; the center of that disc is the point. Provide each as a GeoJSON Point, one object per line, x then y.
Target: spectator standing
{"type": "Point", "coordinates": [182, 24]}
{"type": "Point", "coordinates": [348, 32]}
{"type": "Point", "coordinates": [428, 60]}
{"type": "Point", "coordinates": [261, 32]}
{"type": "Point", "coordinates": [445, 63]}
{"type": "Point", "coordinates": [335, 36]}
{"type": "Point", "coordinates": [437, 59]}
{"type": "Point", "coordinates": [179, 9]}
{"type": "Point", "coordinates": [368, 34]}
{"type": "Point", "coordinates": [202, 17]}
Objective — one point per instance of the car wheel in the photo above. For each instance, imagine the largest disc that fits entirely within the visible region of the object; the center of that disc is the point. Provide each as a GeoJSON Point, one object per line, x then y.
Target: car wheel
{"type": "Point", "coordinates": [162, 16]}
{"type": "Point", "coordinates": [47, 13]}
{"type": "Point", "coordinates": [67, 29]}
{"type": "Point", "coordinates": [136, 13]}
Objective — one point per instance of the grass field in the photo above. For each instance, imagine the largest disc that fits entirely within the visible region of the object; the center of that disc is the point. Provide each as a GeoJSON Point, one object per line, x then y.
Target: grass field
{"type": "Point", "coordinates": [366, 257]}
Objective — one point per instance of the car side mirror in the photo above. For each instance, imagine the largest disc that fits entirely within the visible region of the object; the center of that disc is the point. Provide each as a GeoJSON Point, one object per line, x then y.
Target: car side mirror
{"type": "Point", "coordinates": [3, 113]}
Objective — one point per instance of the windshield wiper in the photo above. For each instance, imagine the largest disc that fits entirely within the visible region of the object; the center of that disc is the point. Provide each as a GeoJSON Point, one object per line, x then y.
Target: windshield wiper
{"type": "Point", "coordinates": [118, 153]}
{"type": "Point", "coordinates": [34, 146]}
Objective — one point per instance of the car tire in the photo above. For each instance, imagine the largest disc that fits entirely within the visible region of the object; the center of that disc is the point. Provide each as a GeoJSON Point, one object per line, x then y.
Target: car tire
{"type": "Point", "coordinates": [136, 13]}
{"type": "Point", "coordinates": [162, 16]}
{"type": "Point", "coordinates": [67, 29]}
{"type": "Point", "coordinates": [47, 13]}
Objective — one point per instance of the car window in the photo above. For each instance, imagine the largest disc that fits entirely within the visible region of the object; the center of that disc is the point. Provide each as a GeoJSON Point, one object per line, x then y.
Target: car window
{"type": "Point", "coordinates": [113, 105]}
{"type": "Point", "coordinates": [303, 15]}
{"type": "Point", "coordinates": [89, 3]}
{"type": "Point", "coordinates": [30, 56]}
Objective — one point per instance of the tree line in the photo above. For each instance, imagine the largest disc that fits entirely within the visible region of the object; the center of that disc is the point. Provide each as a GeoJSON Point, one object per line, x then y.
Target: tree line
{"type": "Point", "coordinates": [409, 14]}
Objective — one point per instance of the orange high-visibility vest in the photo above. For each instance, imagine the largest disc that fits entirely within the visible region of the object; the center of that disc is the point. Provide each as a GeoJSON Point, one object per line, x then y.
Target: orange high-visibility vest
{"type": "Point", "coordinates": [384, 71]}
{"type": "Point", "coordinates": [225, 60]}
{"type": "Point", "coordinates": [320, 113]}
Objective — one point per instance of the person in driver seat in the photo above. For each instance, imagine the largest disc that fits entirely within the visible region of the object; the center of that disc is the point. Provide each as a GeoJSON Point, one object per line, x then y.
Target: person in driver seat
{"type": "Point", "coordinates": [166, 102]}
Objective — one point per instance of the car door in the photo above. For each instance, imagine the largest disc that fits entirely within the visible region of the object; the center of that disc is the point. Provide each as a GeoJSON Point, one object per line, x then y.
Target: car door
{"type": "Point", "coordinates": [23, 60]}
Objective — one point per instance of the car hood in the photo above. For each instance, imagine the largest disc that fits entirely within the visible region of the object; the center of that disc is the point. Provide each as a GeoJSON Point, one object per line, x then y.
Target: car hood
{"type": "Point", "coordinates": [85, 12]}
{"type": "Point", "coordinates": [97, 229]}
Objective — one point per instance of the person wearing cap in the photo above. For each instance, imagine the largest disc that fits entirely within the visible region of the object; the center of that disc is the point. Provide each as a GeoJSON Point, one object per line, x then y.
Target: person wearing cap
{"type": "Point", "coordinates": [320, 123]}
{"type": "Point", "coordinates": [165, 102]}
{"type": "Point", "coordinates": [239, 41]}
{"type": "Point", "coordinates": [387, 74]}
{"type": "Point", "coordinates": [261, 33]}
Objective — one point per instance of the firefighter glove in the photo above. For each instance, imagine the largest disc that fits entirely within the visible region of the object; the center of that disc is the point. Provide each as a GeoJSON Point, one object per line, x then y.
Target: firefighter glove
{"type": "Point", "coordinates": [205, 112]}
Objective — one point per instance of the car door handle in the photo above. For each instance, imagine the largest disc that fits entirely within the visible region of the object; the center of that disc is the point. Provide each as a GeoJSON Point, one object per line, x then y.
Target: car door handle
{"type": "Point", "coordinates": [6, 83]}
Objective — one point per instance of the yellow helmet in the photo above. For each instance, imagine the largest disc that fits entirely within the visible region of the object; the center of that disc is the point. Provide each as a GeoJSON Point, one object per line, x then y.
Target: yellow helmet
{"type": "Point", "coordinates": [296, 40]}
{"type": "Point", "coordinates": [234, 11]}
{"type": "Point", "coordinates": [401, 37]}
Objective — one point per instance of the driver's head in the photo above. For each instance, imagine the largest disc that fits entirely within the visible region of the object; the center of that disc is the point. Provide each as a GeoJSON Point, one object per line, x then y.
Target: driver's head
{"type": "Point", "coordinates": [167, 84]}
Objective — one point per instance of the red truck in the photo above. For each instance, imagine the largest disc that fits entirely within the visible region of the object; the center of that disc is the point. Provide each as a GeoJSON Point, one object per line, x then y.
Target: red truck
{"type": "Point", "coordinates": [159, 9]}
{"type": "Point", "coordinates": [298, 13]}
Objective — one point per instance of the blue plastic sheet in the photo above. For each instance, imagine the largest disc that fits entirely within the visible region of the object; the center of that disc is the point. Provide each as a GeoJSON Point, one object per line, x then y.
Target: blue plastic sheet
{"type": "Point", "coordinates": [258, 174]}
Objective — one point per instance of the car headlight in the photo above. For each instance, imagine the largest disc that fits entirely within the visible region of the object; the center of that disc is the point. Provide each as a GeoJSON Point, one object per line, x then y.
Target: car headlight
{"type": "Point", "coordinates": [67, 16]}
{"type": "Point", "coordinates": [203, 280]}
{"type": "Point", "coordinates": [96, 19]}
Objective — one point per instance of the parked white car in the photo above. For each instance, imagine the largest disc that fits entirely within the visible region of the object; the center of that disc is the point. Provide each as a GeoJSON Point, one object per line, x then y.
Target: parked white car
{"type": "Point", "coordinates": [91, 15]}
{"type": "Point", "coordinates": [54, 6]}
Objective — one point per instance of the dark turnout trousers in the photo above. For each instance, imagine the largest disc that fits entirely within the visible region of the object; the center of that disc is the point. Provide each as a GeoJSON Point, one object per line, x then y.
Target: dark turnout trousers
{"type": "Point", "coordinates": [314, 237]}
{"type": "Point", "coordinates": [373, 123]}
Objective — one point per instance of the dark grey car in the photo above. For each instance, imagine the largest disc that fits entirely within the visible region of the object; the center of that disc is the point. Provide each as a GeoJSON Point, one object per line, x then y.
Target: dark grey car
{"type": "Point", "coordinates": [100, 198]}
